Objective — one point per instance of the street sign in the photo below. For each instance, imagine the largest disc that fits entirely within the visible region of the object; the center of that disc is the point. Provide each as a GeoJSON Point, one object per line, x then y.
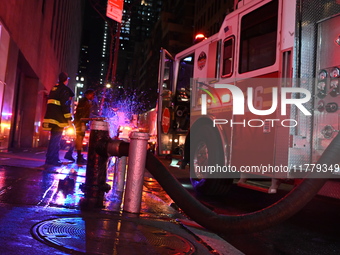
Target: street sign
{"type": "Point", "coordinates": [114, 10]}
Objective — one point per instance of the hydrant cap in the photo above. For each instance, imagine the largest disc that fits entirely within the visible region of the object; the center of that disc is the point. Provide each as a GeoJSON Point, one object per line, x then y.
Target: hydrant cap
{"type": "Point", "coordinates": [99, 125]}
{"type": "Point", "coordinates": [139, 136]}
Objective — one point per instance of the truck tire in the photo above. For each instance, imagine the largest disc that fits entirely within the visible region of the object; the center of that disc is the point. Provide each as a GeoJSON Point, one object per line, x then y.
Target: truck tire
{"type": "Point", "coordinates": [206, 150]}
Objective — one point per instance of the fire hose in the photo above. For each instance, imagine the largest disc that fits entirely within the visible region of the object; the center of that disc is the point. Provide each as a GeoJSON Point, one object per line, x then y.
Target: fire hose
{"type": "Point", "coordinates": [284, 208]}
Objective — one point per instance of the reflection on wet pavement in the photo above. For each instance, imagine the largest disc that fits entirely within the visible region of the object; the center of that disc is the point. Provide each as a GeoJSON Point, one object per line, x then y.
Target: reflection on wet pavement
{"type": "Point", "coordinates": [64, 187]}
{"type": "Point", "coordinates": [60, 187]}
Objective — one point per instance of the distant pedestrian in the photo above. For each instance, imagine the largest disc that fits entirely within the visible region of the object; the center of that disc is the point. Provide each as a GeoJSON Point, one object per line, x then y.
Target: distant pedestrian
{"type": "Point", "coordinates": [57, 117]}
{"type": "Point", "coordinates": [83, 110]}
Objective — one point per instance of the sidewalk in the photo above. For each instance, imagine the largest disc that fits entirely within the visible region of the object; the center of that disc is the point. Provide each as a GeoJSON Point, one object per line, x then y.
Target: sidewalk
{"type": "Point", "coordinates": [37, 204]}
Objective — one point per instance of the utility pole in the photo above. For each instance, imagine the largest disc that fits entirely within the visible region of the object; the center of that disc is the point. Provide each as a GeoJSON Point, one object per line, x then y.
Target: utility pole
{"type": "Point", "coordinates": [115, 54]}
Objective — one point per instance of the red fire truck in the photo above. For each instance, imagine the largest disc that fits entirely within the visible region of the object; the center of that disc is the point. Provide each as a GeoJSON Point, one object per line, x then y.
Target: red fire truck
{"type": "Point", "coordinates": [261, 95]}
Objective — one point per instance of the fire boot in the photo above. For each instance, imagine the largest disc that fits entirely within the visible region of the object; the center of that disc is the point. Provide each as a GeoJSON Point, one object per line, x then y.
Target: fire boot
{"type": "Point", "coordinates": [69, 156]}
{"type": "Point", "coordinates": [81, 160]}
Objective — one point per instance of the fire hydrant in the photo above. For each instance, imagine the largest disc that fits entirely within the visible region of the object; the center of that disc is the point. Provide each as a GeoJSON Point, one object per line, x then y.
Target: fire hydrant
{"type": "Point", "coordinates": [95, 185]}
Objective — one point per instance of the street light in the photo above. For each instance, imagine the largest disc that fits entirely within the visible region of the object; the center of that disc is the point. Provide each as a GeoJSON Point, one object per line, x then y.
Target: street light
{"type": "Point", "coordinates": [78, 85]}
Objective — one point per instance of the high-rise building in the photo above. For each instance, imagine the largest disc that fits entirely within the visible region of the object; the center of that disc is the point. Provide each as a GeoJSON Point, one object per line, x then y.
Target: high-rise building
{"type": "Point", "coordinates": [172, 31]}
{"type": "Point", "coordinates": [178, 23]}
{"type": "Point", "coordinates": [209, 15]}
{"type": "Point", "coordinates": [37, 42]}
{"type": "Point", "coordinates": [95, 47]}
{"type": "Point", "coordinates": [139, 18]}
{"type": "Point", "coordinates": [105, 39]}
{"type": "Point", "coordinates": [146, 27]}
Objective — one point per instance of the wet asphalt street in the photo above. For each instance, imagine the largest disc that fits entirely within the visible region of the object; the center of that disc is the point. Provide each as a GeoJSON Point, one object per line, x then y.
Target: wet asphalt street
{"type": "Point", "coordinates": [315, 230]}
{"type": "Point", "coordinates": [30, 195]}
{"type": "Point", "coordinates": [40, 214]}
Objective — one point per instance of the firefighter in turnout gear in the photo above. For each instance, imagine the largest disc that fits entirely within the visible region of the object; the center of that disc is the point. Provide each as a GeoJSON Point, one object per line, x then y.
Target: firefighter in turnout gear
{"type": "Point", "coordinates": [83, 110]}
{"type": "Point", "coordinates": [57, 117]}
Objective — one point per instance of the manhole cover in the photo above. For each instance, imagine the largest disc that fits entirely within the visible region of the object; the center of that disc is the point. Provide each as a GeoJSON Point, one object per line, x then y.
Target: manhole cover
{"type": "Point", "coordinates": [109, 236]}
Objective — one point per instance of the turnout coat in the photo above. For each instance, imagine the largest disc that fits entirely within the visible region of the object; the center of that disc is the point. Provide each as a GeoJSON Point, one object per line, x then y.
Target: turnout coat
{"type": "Point", "coordinates": [58, 111]}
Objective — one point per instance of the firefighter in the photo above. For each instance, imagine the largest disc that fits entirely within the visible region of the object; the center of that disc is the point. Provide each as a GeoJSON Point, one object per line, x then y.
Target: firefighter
{"type": "Point", "coordinates": [83, 110]}
{"type": "Point", "coordinates": [57, 117]}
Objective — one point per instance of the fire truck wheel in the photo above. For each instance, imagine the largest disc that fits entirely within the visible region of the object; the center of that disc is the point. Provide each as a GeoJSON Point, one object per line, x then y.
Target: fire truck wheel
{"type": "Point", "coordinates": [206, 150]}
